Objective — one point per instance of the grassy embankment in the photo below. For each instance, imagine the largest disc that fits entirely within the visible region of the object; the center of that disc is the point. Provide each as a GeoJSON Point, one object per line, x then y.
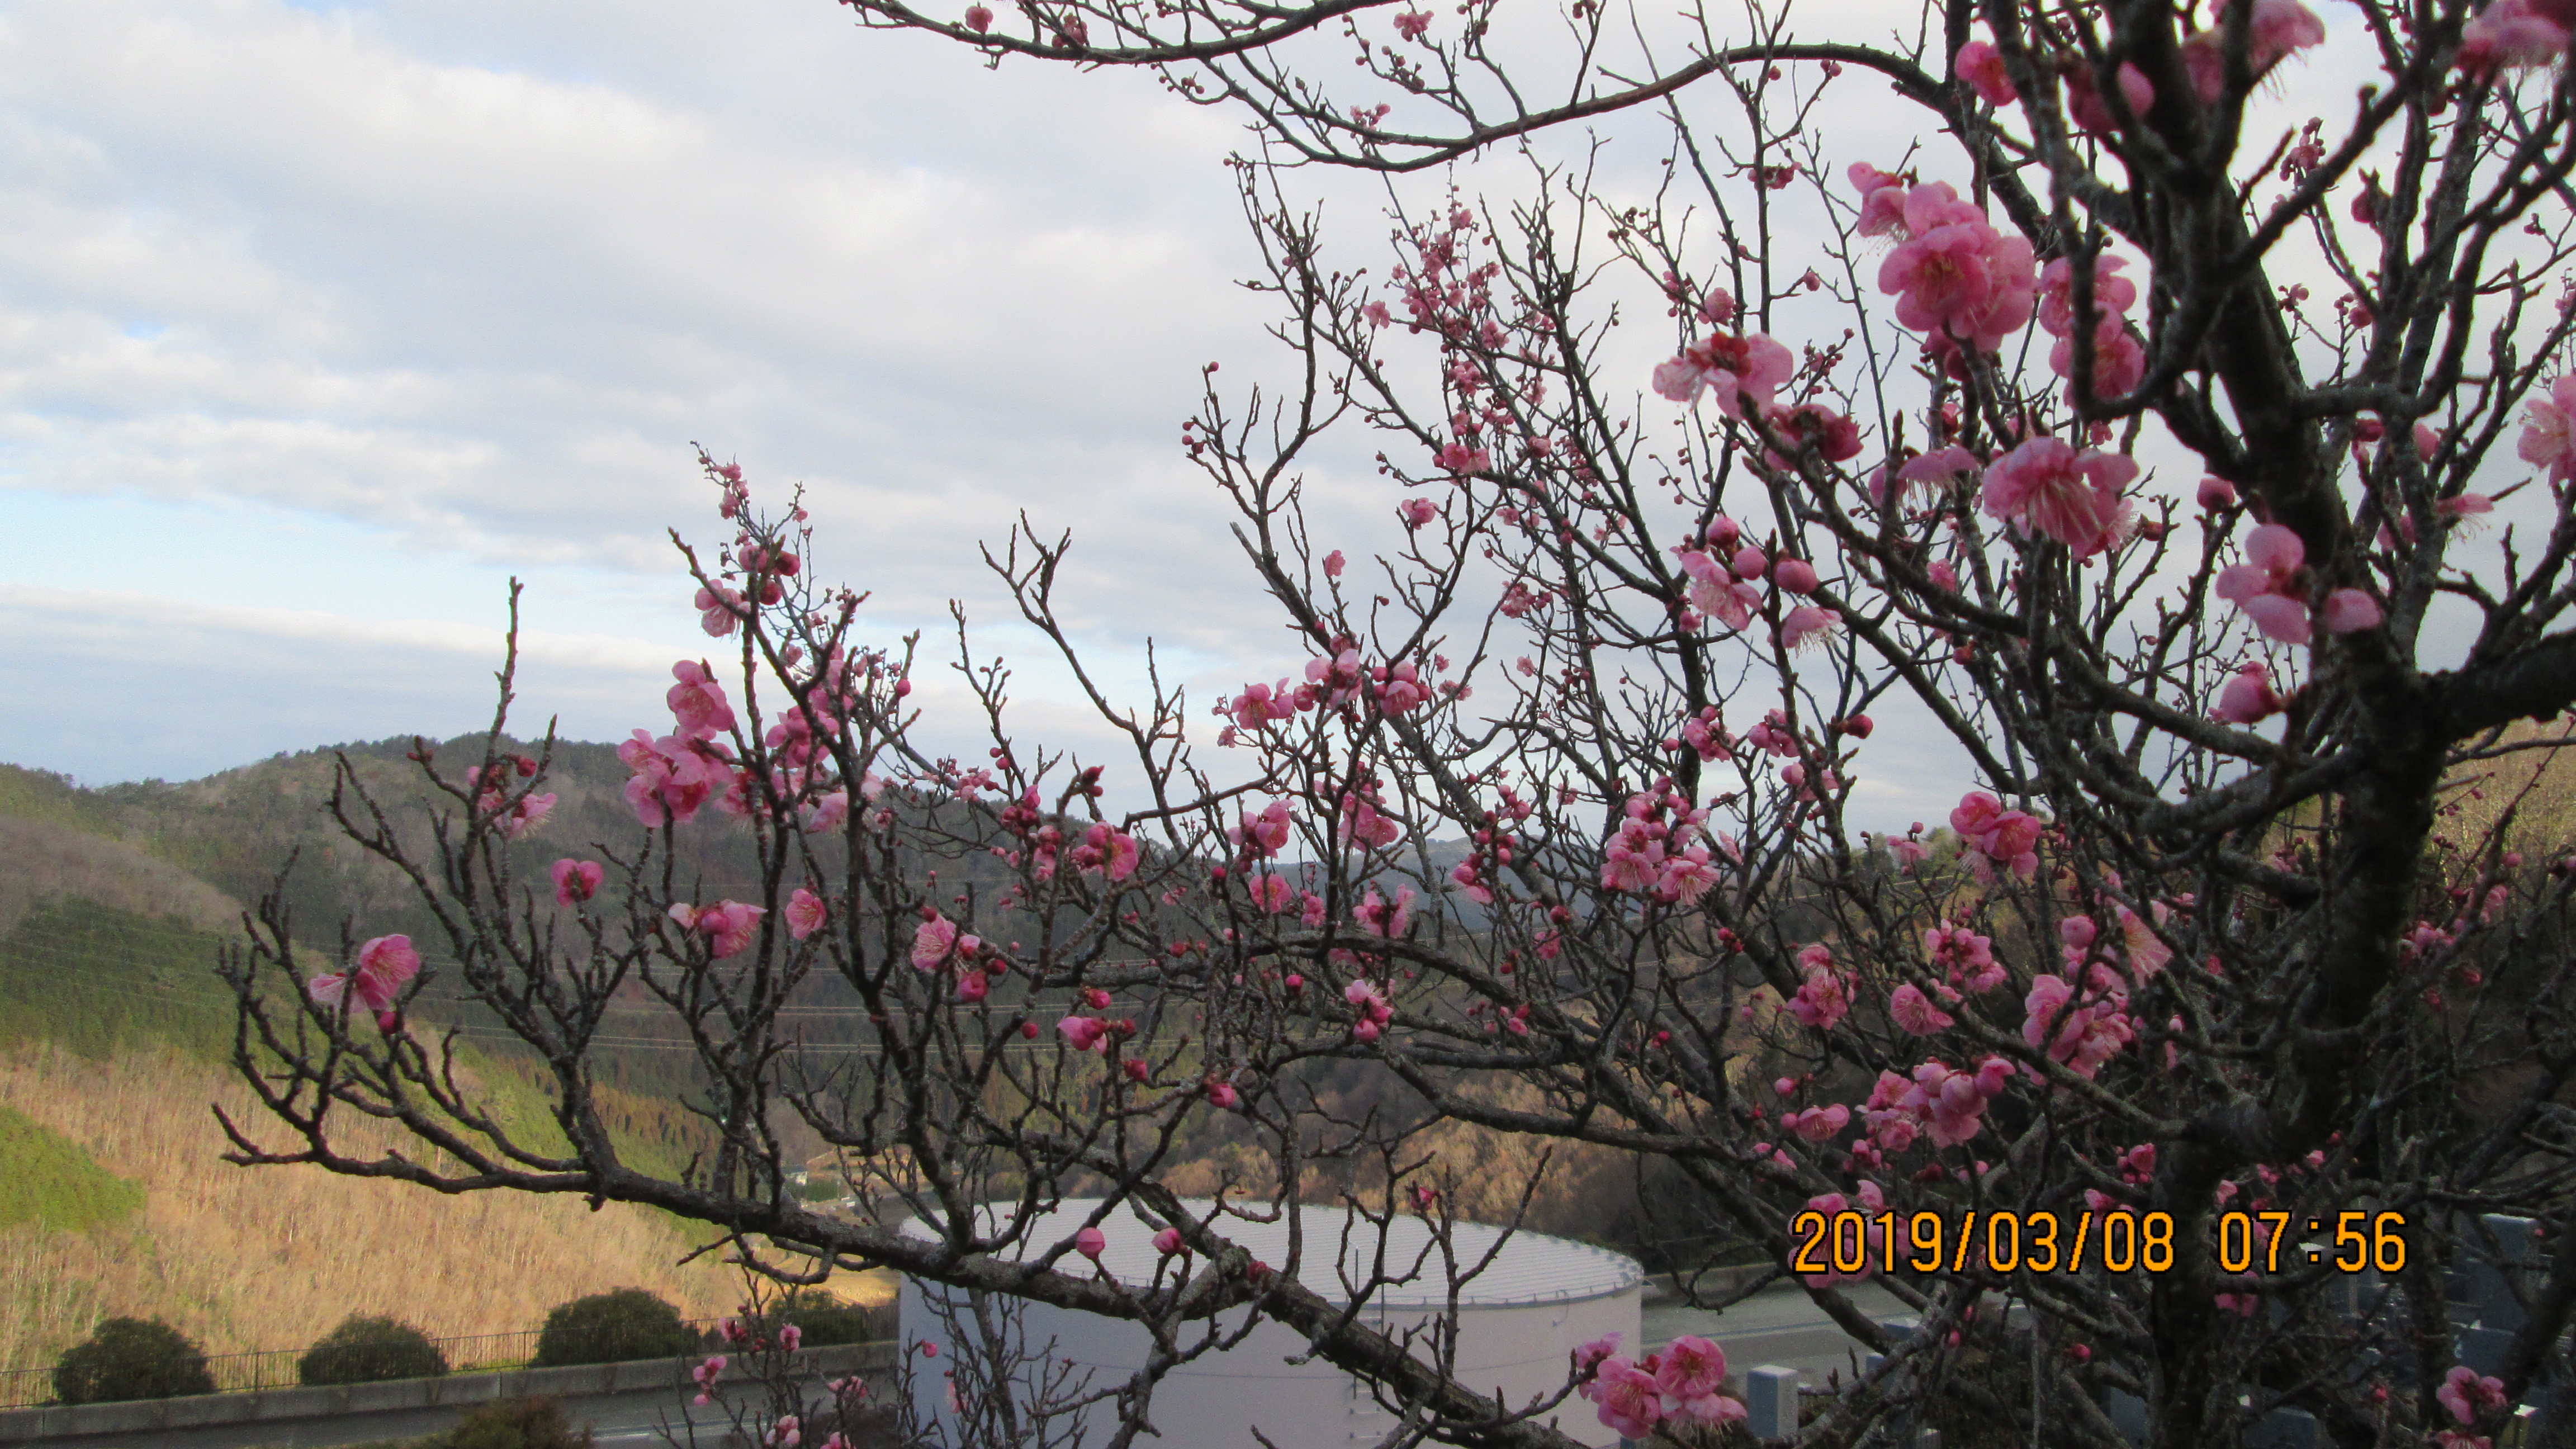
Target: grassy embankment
{"type": "Point", "coordinates": [114, 1044]}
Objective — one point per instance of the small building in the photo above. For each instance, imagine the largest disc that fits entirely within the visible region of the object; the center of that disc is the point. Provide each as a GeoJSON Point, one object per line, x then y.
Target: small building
{"type": "Point", "coordinates": [1519, 1322]}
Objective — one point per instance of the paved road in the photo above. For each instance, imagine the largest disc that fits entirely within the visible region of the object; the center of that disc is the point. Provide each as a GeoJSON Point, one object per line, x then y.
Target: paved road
{"type": "Point", "coordinates": [1779, 1325]}
{"type": "Point", "coordinates": [623, 1421]}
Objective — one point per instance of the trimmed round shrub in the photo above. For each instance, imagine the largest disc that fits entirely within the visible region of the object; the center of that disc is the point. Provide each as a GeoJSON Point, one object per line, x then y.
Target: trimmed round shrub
{"type": "Point", "coordinates": [628, 1323]}
{"type": "Point", "coordinates": [370, 1350]}
{"type": "Point", "coordinates": [131, 1358]}
{"type": "Point", "coordinates": [826, 1320]}
{"type": "Point", "coordinates": [537, 1423]}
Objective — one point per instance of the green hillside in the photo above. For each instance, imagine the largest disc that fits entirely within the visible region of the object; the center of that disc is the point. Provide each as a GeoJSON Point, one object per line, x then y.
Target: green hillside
{"type": "Point", "coordinates": [48, 1181]}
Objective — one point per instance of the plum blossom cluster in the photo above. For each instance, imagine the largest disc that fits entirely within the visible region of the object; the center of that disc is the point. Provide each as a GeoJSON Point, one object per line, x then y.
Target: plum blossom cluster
{"type": "Point", "coordinates": [1657, 852]}
{"type": "Point", "coordinates": [729, 926]}
{"type": "Point", "coordinates": [2273, 584]}
{"type": "Point", "coordinates": [1824, 994]}
{"type": "Point", "coordinates": [2515, 35]}
{"type": "Point", "coordinates": [1948, 1103]}
{"type": "Point", "coordinates": [1955, 277]}
{"type": "Point", "coordinates": [1995, 836]}
{"type": "Point", "coordinates": [1339, 681]}
{"type": "Point", "coordinates": [2119, 360]}
{"type": "Point", "coordinates": [1733, 368]}
{"type": "Point", "coordinates": [938, 946]}
{"type": "Point", "coordinates": [492, 802]}
{"type": "Point", "coordinates": [1682, 1384]}
{"type": "Point", "coordinates": [2046, 486]}
{"type": "Point", "coordinates": [2276, 29]}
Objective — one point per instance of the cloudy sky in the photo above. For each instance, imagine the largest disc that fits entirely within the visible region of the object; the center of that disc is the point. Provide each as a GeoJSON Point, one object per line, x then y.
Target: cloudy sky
{"type": "Point", "coordinates": [318, 322]}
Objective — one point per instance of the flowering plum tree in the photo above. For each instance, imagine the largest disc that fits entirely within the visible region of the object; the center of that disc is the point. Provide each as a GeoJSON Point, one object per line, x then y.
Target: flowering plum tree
{"type": "Point", "coordinates": [2203, 478]}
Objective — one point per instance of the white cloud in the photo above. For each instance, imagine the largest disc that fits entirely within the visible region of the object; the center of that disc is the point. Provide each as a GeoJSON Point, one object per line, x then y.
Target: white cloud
{"type": "Point", "coordinates": [317, 322]}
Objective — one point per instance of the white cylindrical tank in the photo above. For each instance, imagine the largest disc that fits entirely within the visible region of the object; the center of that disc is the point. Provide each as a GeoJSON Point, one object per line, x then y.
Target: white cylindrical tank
{"type": "Point", "coordinates": [1519, 1322]}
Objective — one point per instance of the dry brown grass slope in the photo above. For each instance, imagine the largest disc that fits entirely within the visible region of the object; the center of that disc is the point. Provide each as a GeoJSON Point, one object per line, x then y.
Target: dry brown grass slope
{"type": "Point", "coordinates": [244, 1259]}
{"type": "Point", "coordinates": [273, 1257]}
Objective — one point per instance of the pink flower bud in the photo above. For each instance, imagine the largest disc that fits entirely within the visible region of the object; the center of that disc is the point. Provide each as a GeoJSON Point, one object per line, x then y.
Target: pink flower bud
{"type": "Point", "coordinates": [1090, 1243]}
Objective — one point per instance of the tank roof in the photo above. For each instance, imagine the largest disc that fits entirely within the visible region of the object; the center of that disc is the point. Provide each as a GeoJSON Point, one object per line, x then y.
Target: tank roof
{"type": "Point", "coordinates": [1531, 1268]}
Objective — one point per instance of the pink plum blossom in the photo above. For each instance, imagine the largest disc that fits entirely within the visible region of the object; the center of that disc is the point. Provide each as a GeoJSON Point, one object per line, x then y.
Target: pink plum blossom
{"type": "Point", "coordinates": [1914, 1011]}
{"type": "Point", "coordinates": [1273, 894]}
{"type": "Point", "coordinates": [1982, 67]}
{"type": "Point", "coordinates": [1824, 998]}
{"type": "Point", "coordinates": [1259, 704]}
{"type": "Point", "coordinates": [2349, 611]}
{"type": "Point", "coordinates": [1998, 836]}
{"type": "Point", "coordinates": [2467, 1394]}
{"type": "Point", "coordinates": [1807, 624]}
{"type": "Point", "coordinates": [1630, 1401]}
{"type": "Point", "coordinates": [1956, 274]}
{"type": "Point", "coordinates": [2046, 486]}
{"type": "Point", "coordinates": [2247, 697]}
{"type": "Point", "coordinates": [384, 964]}
{"type": "Point", "coordinates": [2087, 1034]}
{"type": "Point", "coordinates": [804, 913]}
{"type": "Point", "coordinates": [933, 941]}
{"type": "Point", "coordinates": [2267, 585]}
{"type": "Point", "coordinates": [1084, 1033]}
{"type": "Point", "coordinates": [1090, 1243]}
{"type": "Point", "coordinates": [1949, 1103]}
{"type": "Point", "coordinates": [1168, 1242]}
{"type": "Point", "coordinates": [1380, 917]}
{"type": "Point", "coordinates": [1690, 1372]}
{"type": "Point", "coordinates": [698, 702]}
{"type": "Point", "coordinates": [1967, 957]}
{"type": "Point", "coordinates": [1819, 1124]}
{"type": "Point", "coordinates": [2510, 35]}
{"type": "Point", "coordinates": [673, 776]}
{"type": "Point", "coordinates": [576, 881]}
{"type": "Point", "coordinates": [1736, 367]}
{"type": "Point", "coordinates": [2119, 362]}
{"type": "Point", "coordinates": [2147, 951]}
{"type": "Point", "coordinates": [827, 813]}
{"type": "Point", "coordinates": [2549, 438]}
{"type": "Point", "coordinates": [1834, 437]}
{"type": "Point", "coordinates": [2084, 98]}
{"type": "Point", "coordinates": [2113, 294]}
{"type": "Point", "coordinates": [1940, 468]}
{"type": "Point", "coordinates": [728, 926]}
{"type": "Point", "coordinates": [1363, 823]}
{"type": "Point", "coordinates": [720, 610]}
